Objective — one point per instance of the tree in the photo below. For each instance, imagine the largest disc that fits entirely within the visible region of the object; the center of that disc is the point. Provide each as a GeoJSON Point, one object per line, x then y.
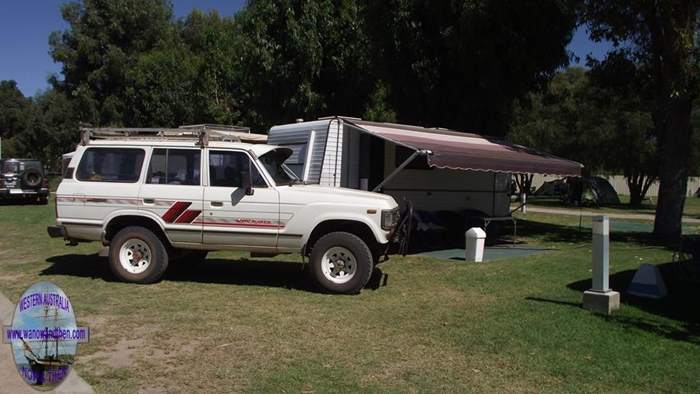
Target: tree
{"type": "Point", "coordinates": [52, 129]}
{"type": "Point", "coordinates": [623, 93]}
{"type": "Point", "coordinates": [104, 41]}
{"type": "Point", "coordinates": [301, 59]}
{"type": "Point", "coordinates": [461, 64]}
{"type": "Point", "coordinates": [378, 109]}
{"type": "Point", "coordinates": [563, 119]}
{"type": "Point", "coordinates": [161, 88]}
{"type": "Point", "coordinates": [584, 116]}
{"type": "Point", "coordinates": [14, 115]}
{"type": "Point", "coordinates": [662, 36]}
{"type": "Point", "coordinates": [211, 41]}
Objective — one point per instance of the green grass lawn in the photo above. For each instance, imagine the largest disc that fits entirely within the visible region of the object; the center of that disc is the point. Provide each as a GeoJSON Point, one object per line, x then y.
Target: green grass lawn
{"type": "Point", "coordinates": [424, 325]}
{"type": "Point", "coordinates": [691, 208]}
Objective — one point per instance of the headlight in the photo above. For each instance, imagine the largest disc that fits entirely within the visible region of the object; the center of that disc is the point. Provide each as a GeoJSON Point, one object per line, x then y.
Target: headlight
{"type": "Point", "coordinates": [390, 218]}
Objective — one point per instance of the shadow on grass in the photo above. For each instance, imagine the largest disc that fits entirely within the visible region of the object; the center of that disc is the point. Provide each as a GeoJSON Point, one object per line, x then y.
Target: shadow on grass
{"type": "Point", "coordinates": [550, 202]}
{"type": "Point", "coordinates": [244, 272]}
{"type": "Point", "coordinates": [550, 232]}
{"type": "Point", "coordinates": [680, 305]}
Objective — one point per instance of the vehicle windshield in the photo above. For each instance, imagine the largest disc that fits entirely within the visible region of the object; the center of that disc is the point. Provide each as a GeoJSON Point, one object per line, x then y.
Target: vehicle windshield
{"type": "Point", "coordinates": [273, 161]}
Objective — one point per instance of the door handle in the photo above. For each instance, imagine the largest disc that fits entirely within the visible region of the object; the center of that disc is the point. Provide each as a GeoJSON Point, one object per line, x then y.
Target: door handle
{"type": "Point", "coordinates": [217, 204]}
{"type": "Point", "coordinates": [149, 201]}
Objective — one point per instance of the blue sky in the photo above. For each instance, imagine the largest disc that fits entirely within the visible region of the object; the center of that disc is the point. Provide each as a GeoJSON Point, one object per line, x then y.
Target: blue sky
{"type": "Point", "coordinates": [25, 27]}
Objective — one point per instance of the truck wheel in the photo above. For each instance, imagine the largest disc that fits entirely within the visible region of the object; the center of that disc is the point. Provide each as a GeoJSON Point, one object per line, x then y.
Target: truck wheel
{"type": "Point", "coordinates": [137, 255]}
{"type": "Point", "coordinates": [341, 263]}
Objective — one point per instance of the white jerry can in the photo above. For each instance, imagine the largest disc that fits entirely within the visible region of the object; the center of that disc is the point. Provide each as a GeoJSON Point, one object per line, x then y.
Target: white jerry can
{"type": "Point", "coordinates": [474, 250]}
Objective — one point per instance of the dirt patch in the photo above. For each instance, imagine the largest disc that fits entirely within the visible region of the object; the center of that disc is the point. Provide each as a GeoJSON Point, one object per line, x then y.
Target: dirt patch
{"type": "Point", "coordinates": [120, 355]}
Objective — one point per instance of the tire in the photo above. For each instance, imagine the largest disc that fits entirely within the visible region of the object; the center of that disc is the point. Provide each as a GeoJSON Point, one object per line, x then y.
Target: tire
{"type": "Point", "coordinates": [142, 243]}
{"type": "Point", "coordinates": [31, 178]}
{"type": "Point", "coordinates": [351, 270]}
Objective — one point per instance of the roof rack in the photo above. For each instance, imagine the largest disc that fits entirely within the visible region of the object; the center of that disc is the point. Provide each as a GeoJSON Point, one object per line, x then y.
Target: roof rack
{"type": "Point", "coordinates": [203, 133]}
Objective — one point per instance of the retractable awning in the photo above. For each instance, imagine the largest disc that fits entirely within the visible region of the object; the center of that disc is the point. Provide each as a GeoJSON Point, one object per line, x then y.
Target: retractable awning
{"type": "Point", "coordinates": [464, 151]}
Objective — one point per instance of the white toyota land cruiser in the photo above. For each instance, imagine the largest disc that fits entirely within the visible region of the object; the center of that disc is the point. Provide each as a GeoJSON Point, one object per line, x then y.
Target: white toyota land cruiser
{"type": "Point", "coordinates": [176, 195]}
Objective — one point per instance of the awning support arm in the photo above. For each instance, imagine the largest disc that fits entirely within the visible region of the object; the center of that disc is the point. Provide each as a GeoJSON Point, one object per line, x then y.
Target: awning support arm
{"type": "Point", "coordinates": [401, 167]}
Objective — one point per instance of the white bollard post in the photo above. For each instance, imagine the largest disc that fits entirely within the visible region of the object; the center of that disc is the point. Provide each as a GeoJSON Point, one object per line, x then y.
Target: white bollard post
{"type": "Point", "coordinates": [600, 298]}
{"type": "Point", "coordinates": [523, 200]}
{"type": "Point", "coordinates": [475, 238]}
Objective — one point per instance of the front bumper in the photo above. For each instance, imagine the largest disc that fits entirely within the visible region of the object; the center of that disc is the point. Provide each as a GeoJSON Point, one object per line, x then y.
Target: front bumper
{"type": "Point", "coordinates": [56, 231]}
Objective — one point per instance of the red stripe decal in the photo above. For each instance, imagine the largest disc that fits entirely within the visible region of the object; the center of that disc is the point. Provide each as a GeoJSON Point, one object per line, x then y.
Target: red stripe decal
{"type": "Point", "coordinates": [188, 216]}
{"type": "Point", "coordinates": [242, 224]}
{"type": "Point", "coordinates": [175, 210]}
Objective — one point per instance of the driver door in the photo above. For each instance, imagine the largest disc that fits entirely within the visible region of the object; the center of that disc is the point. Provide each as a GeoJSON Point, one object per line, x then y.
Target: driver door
{"type": "Point", "coordinates": [234, 217]}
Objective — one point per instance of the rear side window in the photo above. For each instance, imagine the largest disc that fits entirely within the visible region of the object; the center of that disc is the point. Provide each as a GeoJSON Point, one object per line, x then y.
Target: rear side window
{"type": "Point", "coordinates": [110, 165]}
{"type": "Point", "coordinates": [174, 167]}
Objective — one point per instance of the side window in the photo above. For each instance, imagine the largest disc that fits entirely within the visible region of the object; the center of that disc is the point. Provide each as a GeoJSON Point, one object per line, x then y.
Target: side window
{"type": "Point", "coordinates": [110, 165]}
{"type": "Point", "coordinates": [228, 169]}
{"type": "Point", "coordinates": [174, 167]}
{"type": "Point", "coordinates": [295, 161]}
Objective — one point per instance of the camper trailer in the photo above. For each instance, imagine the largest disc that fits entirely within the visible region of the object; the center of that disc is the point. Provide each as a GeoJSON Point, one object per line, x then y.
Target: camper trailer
{"type": "Point", "coordinates": [434, 169]}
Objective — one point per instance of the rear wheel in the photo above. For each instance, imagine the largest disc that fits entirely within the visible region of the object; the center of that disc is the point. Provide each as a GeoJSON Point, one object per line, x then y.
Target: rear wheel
{"type": "Point", "coordinates": [341, 263]}
{"type": "Point", "coordinates": [137, 255]}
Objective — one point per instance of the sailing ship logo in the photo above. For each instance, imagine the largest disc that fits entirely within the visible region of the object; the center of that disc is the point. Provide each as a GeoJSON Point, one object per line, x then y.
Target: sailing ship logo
{"type": "Point", "coordinates": [44, 336]}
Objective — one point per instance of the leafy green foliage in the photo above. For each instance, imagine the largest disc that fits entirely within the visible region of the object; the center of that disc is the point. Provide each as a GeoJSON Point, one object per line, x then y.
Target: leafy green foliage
{"type": "Point", "coordinates": [661, 37]}
{"type": "Point", "coordinates": [581, 117]}
{"type": "Point", "coordinates": [52, 128]}
{"type": "Point", "coordinates": [461, 64]}
{"type": "Point", "coordinates": [102, 44]}
{"type": "Point", "coordinates": [302, 59]}
{"type": "Point", "coordinates": [14, 109]}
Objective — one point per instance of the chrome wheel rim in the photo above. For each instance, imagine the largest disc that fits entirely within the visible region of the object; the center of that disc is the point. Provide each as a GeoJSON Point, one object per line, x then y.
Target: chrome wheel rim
{"type": "Point", "coordinates": [338, 264]}
{"type": "Point", "coordinates": [135, 256]}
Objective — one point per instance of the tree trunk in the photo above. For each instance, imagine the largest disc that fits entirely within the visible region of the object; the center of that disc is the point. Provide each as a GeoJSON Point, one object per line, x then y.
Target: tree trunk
{"type": "Point", "coordinates": [524, 182]}
{"type": "Point", "coordinates": [673, 169]}
{"type": "Point", "coordinates": [638, 185]}
{"type": "Point", "coordinates": [635, 190]}
{"type": "Point", "coordinates": [672, 28]}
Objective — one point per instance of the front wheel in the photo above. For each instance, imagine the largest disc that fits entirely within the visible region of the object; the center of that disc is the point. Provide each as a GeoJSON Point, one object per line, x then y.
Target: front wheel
{"type": "Point", "coordinates": [341, 263]}
{"type": "Point", "coordinates": [137, 255]}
